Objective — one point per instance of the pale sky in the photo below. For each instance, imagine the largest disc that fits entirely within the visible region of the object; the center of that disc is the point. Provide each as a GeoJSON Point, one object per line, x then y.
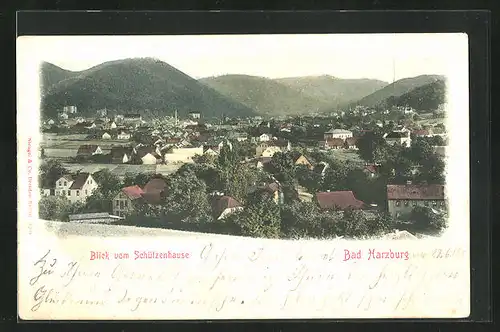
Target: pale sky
{"type": "Point", "coordinates": [273, 56]}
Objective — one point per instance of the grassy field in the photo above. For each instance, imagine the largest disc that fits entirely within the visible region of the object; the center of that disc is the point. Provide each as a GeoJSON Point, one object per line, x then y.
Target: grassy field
{"type": "Point", "coordinates": [429, 121]}
{"type": "Point", "coordinates": [346, 155]}
{"type": "Point", "coordinates": [121, 169]}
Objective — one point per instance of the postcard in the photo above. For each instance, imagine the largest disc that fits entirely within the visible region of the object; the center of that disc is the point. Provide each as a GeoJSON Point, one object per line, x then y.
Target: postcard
{"type": "Point", "coordinates": [206, 177]}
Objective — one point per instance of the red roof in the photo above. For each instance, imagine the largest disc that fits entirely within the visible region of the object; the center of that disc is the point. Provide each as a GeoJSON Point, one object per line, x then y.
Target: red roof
{"type": "Point", "coordinates": [371, 168]}
{"type": "Point", "coordinates": [338, 199]}
{"type": "Point", "coordinates": [156, 184]}
{"type": "Point", "coordinates": [221, 203]}
{"type": "Point", "coordinates": [133, 192]}
{"type": "Point", "coordinates": [415, 192]}
{"type": "Point", "coordinates": [422, 132]}
{"type": "Point", "coordinates": [335, 142]}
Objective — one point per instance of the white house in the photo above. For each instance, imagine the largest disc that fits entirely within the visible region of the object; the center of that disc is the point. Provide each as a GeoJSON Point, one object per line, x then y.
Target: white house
{"type": "Point", "coordinates": [401, 137]}
{"type": "Point", "coordinates": [337, 133]}
{"type": "Point", "coordinates": [123, 135]}
{"type": "Point", "coordinates": [106, 136]}
{"type": "Point", "coordinates": [76, 188]}
{"type": "Point", "coordinates": [264, 138]}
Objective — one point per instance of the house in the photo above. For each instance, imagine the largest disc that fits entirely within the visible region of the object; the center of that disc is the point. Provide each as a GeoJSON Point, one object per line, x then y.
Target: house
{"type": "Point", "coordinates": [337, 133]}
{"type": "Point", "coordinates": [350, 143]}
{"type": "Point", "coordinates": [272, 189]}
{"type": "Point", "coordinates": [182, 155]}
{"type": "Point", "coordinates": [194, 115]}
{"type": "Point", "coordinates": [76, 188]}
{"type": "Point", "coordinates": [94, 218]}
{"type": "Point", "coordinates": [262, 161]}
{"type": "Point", "coordinates": [121, 154]}
{"type": "Point", "coordinates": [266, 151]}
{"type": "Point", "coordinates": [422, 133]}
{"type": "Point", "coordinates": [401, 199]}
{"type": "Point", "coordinates": [88, 150]}
{"type": "Point", "coordinates": [132, 117]}
{"type": "Point", "coordinates": [398, 137]}
{"type": "Point", "coordinates": [111, 125]}
{"type": "Point", "coordinates": [240, 137]}
{"type": "Point", "coordinates": [106, 136]}
{"type": "Point", "coordinates": [123, 201]}
{"type": "Point", "coordinates": [63, 116]}
{"type": "Point", "coordinates": [154, 190]}
{"type": "Point", "coordinates": [333, 143]}
{"type": "Point", "coordinates": [339, 200]}
{"type": "Point", "coordinates": [123, 135]}
{"type": "Point", "coordinates": [264, 138]}
{"type": "Point", "coordinates": [371, 170]}
{"type": "Point", "coordinates": [222, 206]}
{"type": "Point", "coordinates": [146, 155]}
{"type": "Point", "coordinates": [69, 109]}
{"type": "Point", "coordinates": [300, 159]}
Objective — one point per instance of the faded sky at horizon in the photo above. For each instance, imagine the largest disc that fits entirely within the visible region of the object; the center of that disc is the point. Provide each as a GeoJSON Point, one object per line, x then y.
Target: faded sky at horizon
{"type": "Point", "coordinates": [273, 56]}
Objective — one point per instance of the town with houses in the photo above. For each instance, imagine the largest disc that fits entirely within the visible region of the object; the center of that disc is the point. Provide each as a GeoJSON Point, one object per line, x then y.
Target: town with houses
{"type": "Point", "coordinates": [258, 176]}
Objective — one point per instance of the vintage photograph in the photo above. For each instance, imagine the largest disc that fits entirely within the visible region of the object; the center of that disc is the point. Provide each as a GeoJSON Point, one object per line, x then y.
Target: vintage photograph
{"type": "Point", "coordinates": [243, 176]}
{"type": "Point", "coordinates": [249, 135]}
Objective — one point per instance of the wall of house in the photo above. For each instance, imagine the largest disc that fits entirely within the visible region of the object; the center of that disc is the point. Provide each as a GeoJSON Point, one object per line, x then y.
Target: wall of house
{"type": "Point", "coordinates": [183, 154]}
{"type": "Point", "coordinates": [401, 207]}
{"type": "Point", "coordinates": [122, 205]}
{"type": "Point", "coordinates": [148, 159]}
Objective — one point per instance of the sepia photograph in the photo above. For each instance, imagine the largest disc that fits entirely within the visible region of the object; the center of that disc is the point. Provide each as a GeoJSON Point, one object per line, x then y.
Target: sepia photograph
{"type": "Point", "coordinates": [285, 142]}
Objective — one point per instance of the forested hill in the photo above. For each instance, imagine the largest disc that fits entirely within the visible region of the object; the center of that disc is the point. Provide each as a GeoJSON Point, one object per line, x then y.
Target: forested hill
{"type": "Point", "coordinates": [133, 85]}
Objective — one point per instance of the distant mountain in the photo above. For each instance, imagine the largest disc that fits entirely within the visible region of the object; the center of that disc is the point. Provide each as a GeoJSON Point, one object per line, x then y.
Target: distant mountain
{"type": "Point", "coordinates": [332, 90]}
{"type": "Point", "coordinates": [425, 98]}
{"type": "Point", "coordinates": [134, 85]}
{"type": "Point", "coordinates": [264, 95]}
{"type": "Point", "coordinates": [397, 89]}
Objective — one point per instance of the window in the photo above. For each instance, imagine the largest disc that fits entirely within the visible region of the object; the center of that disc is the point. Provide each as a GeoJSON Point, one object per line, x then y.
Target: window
{"type": "Point", "coordinates": [414, 203]}
{"type": "Point", "coordinates": [65, 183]}
{"type": "Point", "coordinates": [426, 203]}
{"type": "Point", "coordinates": [117, 203]}
{"type": "Point", "coordinates": [69, 192]}
{"type": "Point", "coordinates": [121, 204]}
{"type": "Point", "coordinates": [434, 203]}
{"type": "Point", "coordinates": [86, 192]}
{"type": "Point", "coordinates": [406, 203]}
{"type": "Point", "coordinates": [398, 203]}
{"type": "Point", "coordinates": [63, 193]}
{"type": "Point", "coordinates": [125, 203]}
{"type": "Point", "coordinates": [78, 193]}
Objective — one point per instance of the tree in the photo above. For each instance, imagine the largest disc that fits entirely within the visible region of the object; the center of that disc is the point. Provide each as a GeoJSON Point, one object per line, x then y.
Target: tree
{"type": "Point", "coordinates": [368, 144]}
{"type": "Point", "coordinates": [309, 179]}
{"type": "Point", "coordinates": [56, 208]}
{"type": "Point", "coordinates": [301, 219]}
{"type": "Point", "coordinates": [260, 219]}
{"type": "Point", "coordinates": [108, 183]}
{"type": "Point", "coordinates": [205, 172]}
{"type": "Point", "coordinates": [139, 179]}
{"type": "Point", "coordinates": [424, 217]}
{"type": "Point", "coordinates": [205, 159]}
{"type": "Point", "coordinates": [51, 170]}
{"type": "Point", "coordinates": [186, 199]}
{"type": "Point", "coordinates": [353, 224]}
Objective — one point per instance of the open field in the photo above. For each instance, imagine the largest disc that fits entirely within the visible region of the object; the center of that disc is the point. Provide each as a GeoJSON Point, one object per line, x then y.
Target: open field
{"type": "Point", "coordinates": [121, 169]}
{"type": "Point", "coordinates": [429, 121]}
{"type": "Point", "coordinates": [346, 155]}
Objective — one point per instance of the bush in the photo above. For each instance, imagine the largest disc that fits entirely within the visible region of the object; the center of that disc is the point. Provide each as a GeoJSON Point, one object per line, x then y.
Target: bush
{"type": "Point", "coordinates": [424, 217]}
